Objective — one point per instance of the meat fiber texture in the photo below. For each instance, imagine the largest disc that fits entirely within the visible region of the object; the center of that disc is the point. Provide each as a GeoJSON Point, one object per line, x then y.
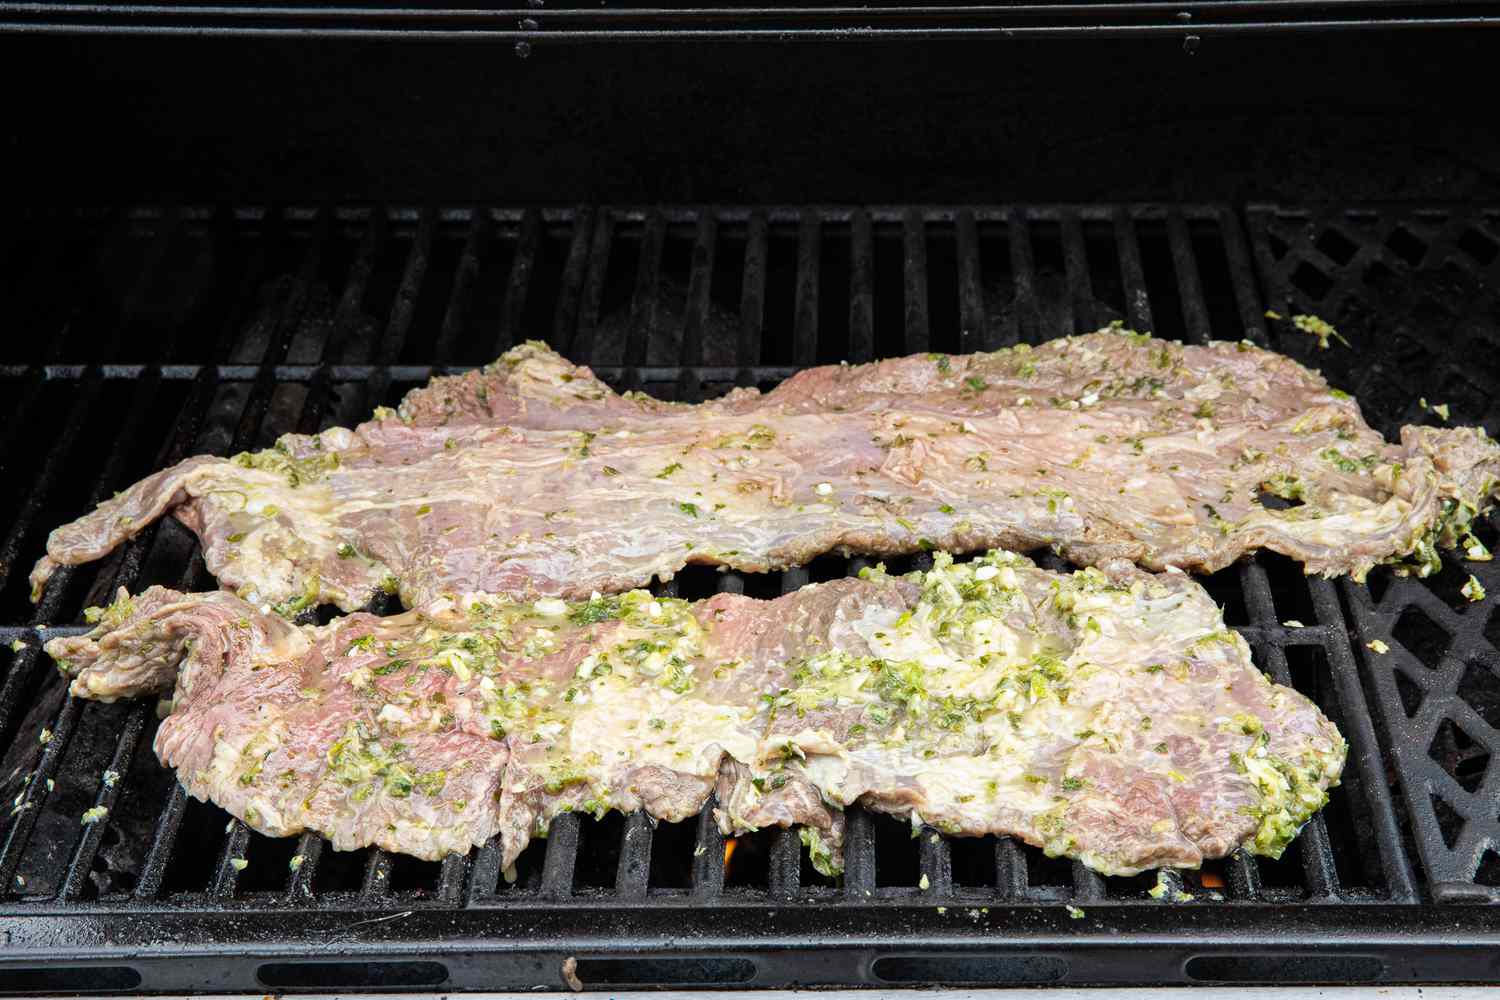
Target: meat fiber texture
{"type": "Point", "coordinates": [533, 478]}
{"type": "Point", "coordinates": [1107, 715]}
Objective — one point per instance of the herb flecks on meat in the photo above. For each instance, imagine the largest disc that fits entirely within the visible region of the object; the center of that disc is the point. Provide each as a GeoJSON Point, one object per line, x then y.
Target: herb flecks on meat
{"type": "Point", "coordinates": [1106, 715]}
{"type": "Point", "coordinates": [532, 478]}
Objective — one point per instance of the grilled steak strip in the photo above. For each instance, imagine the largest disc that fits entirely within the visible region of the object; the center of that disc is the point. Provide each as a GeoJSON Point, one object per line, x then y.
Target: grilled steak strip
{"type": "Point", "coordinates": [1106, 715]}
{"type": "Point", "coordinates": [533, 478]}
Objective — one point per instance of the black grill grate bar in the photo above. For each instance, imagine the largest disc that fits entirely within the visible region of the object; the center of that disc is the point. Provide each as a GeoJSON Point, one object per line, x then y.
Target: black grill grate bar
{"type": "Point", "coordinates": [805, 306]}
{"type": "Point", "coordinates": [753, 296]}
{"type": "Point", "coordinates": [109, 793]}
{"type": "Point", "coordinates": [405, 304]}
{"type": "Point", "coordinates": [1132, 272]}
{"type": "Point", "coordinates": [302, 875]}
{"type": "Point", "coordinates": [1088, 885]}
{"type": "Point", "coordinates": [861, 288]}
{"type": "Point", "coordinates": [583, 337]}
{"type": "Point", "coordinates": [377, 380]}
{"type": "Point", "coordinates": [708, 856]}
{"type": "Point", "coordinates": [1359, 730]}
{"type": "Point", "coordinates": [935, 863]}
{"type": "Point", "coordinates": [460, 296]}
{"type": "Point", "coordinates": [231, 860]}
{"type": "Point", "coordinates": [346, 315]}
{"type": "Point", "coordinates": [163, 839]}
{"type": "Point", "coordinates": [973, 330]}
{"type": "Point", "coordinates": [279, 337]}
{"type": "Point", "coordinates": [859, 854]}
{"type": "Point", "coordinates": [339, 344]}
{"type": "Point", "coordinates": [291, 406]}
{"type": "Point", "coordinates": [565, 316]}
{"type": "Point", "coordinates": [1242, 277]}
{"type": "Point", "coordinates": [562, 856]}
{"type": "Point", "coordinates": [1243, 876]}
{"type": "Point", "coordinates": [1074, 308]}
{"type": "Point", "coordinates": [484, 872]}
{"type": "Point", "coordinates": [1190, 286]}
{"type": "Point", "coordinates": [452, 874]}
{"type": "Point", "coordinates": [1010, 870]}
{"type": "Point", "coordinates": [1082, 311]}
{"type": "Point", "coordinates": [784, 864]}
{"type": "Point", "coordinates": [1023, 277]}
{"type": "Point", "coordinates": [518, 284]}
{"type": "Point", "coordinates": [635, 856]}
{"type": "Point", "coordinates": [643, 304]}
{"type": "Point", "coordinates": [914, 243]}
{"type": "Point", "coordinates": [376, 882]}
{"type": "Point", "coordinates": [700, 280]}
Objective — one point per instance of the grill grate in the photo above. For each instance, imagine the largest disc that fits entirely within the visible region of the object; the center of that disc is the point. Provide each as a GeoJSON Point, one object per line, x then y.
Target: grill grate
{"type": "Point", "coordinates": [167, 332]}
{"type": "Point", "coordinates": [1425, 282]}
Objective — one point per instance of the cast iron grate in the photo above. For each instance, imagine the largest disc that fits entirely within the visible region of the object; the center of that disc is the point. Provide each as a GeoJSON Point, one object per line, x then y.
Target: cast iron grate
{"type": "Point", "coordinates": [159, 333]}
{"type": "Point", "coordinates": [1415, 292]}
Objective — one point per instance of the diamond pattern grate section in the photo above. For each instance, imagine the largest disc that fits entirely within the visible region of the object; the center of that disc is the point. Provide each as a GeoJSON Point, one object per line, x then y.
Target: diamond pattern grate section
{"type": "Point", "coordinates": [1415, 293]}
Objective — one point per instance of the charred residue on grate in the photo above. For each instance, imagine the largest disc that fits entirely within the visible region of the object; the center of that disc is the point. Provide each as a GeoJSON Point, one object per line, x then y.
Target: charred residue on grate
{"type": "Point", "coordinates": [288, 319]}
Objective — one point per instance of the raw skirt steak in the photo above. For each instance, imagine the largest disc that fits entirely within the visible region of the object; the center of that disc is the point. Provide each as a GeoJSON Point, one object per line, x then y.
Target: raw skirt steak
{"type": "Point", "coordinates": [533, 478]}
{"type": "Point", "coordinates": [1107, 715]}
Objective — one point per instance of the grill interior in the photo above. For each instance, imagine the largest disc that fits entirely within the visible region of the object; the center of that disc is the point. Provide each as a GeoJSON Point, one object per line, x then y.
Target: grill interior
{"type": "Point", "coordinates": [165, 332]}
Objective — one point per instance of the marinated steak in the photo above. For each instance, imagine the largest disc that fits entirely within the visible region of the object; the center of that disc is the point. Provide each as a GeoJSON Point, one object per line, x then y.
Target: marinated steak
{"type": "Point", "coordinates": [533, 478]}
{"type": "Point", "coordinates": [1107, 715]}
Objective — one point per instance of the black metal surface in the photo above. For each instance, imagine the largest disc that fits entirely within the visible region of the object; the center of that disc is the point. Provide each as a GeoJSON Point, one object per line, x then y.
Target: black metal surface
{"type": "Point", "coordinates": [1418, 291]}
{"type": "Point", "coordinates": [743, 22]}
{"type": "Point", "coordinates": [160, 333]}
